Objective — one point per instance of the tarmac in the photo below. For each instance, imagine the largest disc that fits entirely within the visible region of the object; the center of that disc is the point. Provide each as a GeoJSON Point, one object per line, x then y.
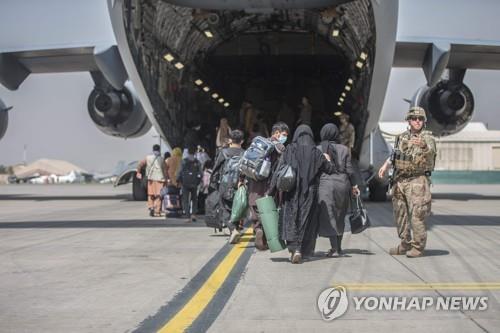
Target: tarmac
{"type": "Point", "coordinates": [86, 258]}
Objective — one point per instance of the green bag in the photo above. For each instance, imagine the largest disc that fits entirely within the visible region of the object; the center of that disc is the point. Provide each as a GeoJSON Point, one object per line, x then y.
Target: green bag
{"type": "Point", "coordinates": [269, 217]}
{"type": "Point", "coordinates": [240, 204]}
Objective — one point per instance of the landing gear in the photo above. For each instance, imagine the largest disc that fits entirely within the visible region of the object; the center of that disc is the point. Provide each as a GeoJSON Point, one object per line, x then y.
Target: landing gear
{"type": "Point", "coordinates": [378, 191]}
{"type": "Point", "coordinates": [139, 192]}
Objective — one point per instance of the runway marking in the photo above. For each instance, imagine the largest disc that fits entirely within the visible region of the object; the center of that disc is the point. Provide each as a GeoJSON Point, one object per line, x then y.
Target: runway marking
{"type": "Point", "coordinates": [420, 286]}
{"type": "Point", "coordinates": [195, 306]}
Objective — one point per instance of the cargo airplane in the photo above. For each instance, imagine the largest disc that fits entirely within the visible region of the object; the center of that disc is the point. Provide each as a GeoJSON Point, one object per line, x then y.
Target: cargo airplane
{"type": "Point", "coordinates": [174, 63]}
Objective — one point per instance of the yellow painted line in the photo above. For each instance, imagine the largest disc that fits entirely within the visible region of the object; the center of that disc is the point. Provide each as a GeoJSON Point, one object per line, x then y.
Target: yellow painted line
{"type": "Point", "coordinates": [188, 314]}
{"type": "Point", "coordinates": [422, 286]}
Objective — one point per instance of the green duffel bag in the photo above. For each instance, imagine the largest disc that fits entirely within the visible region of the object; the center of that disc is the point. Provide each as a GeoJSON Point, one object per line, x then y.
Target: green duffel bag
{"type": "Point", "coordinates": [240, 204]}
{"type": "Point", "coordinates": [269, 217]}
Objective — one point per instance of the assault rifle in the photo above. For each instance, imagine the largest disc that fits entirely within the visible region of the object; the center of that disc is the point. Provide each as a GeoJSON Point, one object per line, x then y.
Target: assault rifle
{"type": "Point", "coordinates": [394, 156]}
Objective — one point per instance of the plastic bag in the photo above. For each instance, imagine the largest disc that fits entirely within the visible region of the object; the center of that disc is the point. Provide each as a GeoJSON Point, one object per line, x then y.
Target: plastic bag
{"type": "Point", "coordinates": [286, 178]}
{"type": "Point", "coordinates": [240, 204]}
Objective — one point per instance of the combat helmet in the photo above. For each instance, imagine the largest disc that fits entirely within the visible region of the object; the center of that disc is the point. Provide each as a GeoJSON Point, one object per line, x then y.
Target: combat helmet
{"type": "Point", "coordinates": [416, 111]}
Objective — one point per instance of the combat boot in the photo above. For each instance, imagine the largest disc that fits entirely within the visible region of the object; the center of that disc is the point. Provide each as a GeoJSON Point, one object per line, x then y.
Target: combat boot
{"type": "Point", "coordinates": [414, 253]}
{"type": "Point", "coordinates": [398, 250]}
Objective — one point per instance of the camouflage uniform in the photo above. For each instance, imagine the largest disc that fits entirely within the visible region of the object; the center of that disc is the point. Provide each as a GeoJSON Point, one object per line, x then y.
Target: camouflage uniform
{"type": "Point", "coordinates": [411, 196]}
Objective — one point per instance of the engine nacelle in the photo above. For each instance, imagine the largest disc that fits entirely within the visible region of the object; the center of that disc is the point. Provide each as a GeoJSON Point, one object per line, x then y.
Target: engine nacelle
{"type": "Point", "coordinates": [449, 106]}
{"type": "Point", "coordinates": [4, 118]}
{"type": "Point", "coordinates": [118, 112]}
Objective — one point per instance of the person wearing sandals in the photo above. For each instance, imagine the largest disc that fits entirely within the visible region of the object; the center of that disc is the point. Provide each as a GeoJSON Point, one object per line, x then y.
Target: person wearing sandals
{"type": "Point", "coordinates": [334, 194]}
{"type": "Point", "coordinates": [155, 173]}
{"type": "Point", "coordinates": [296, 224]}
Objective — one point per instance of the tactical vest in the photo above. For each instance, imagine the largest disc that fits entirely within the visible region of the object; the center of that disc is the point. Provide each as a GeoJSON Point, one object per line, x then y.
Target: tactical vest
{"type": "Point", "coordinates": [155, 167]}
{"type": "Point", "coordinates": [412, 160]}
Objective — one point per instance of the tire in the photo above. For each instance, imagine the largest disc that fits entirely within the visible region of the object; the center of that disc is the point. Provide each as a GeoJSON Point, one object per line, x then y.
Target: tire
{"type": "Point", "coordinates": [378, 192]}
{"type": "Point", "coordinates": [139, 193]}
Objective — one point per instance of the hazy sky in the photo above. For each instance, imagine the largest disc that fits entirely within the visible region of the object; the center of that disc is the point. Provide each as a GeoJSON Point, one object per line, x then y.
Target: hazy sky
{"type": "Point", "coordinates": [50, 113]}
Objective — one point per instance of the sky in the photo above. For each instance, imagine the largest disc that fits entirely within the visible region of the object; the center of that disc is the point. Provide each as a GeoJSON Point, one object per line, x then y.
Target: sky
{"type": "Point", "coordinates": [50, 112]}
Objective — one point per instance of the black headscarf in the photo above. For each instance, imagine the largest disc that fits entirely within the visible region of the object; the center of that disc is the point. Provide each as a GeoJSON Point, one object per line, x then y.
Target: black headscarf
{"type": "Point", "coordinates": [330, 134]}
{"type": "Point", "coordinates": [302, 156]}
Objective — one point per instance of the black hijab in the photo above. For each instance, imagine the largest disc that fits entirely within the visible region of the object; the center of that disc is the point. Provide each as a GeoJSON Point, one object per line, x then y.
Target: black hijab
{"type": "Point", "coordinates": [303, 157]}
{"type": "Point", "coordinates": [330, 134]}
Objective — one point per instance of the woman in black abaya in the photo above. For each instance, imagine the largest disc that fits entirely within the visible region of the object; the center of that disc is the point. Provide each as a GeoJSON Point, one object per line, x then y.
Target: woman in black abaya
{"type": "Point", "coordinates": [334, 194]}
{"type": "Point", "coordinates": [296, 215]}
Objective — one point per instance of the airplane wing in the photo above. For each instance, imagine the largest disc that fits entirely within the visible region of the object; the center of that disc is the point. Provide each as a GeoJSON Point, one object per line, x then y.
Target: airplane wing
{"type": "Point", "coordinates": [70, 36]}
{"type": "Point", "coordinates": [16, 66]}
{"type": "Point", "coordinates": [434, 55]}
{"type": "Point", "coordinates": [57, 36]}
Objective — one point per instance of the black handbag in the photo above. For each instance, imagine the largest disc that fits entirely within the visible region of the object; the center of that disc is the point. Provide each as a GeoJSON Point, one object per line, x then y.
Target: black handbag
{"type": "Point", "coordinates": [286, 178]}
{"type": "Point", "coordinates": [357, 218]}
{"type": "Point", "coordinates": [144, 182]}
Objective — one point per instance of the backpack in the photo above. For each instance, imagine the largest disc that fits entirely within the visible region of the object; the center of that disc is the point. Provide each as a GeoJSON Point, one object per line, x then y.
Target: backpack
{"type": "Point", "coordinates": [230, 176]}
{"type": "Point", "coordinates": [190, 173]}
{"type": "Point", "coordinates": [255, 162]}
{"type": "Point", "coordinates": [213, 212]}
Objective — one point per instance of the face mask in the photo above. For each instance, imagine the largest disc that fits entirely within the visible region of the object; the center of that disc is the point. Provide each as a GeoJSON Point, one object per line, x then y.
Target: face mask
{"type": "Point", "coordinates": [156, 153]}
{"type": "Point", "coordinates": [282, 139]}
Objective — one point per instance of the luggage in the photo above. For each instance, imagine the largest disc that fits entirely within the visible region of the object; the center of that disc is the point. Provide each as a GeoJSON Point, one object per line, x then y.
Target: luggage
{"type": "Point", "coordinates": [357, 218]}
{"type": "Point", "coordinates": [190, 175]}
{"type": "Point", "coordinates": [255, 162]}
{"type": "Point", "coordinates": [269, 217]}
{"type": "Point", "coordinates": [230, 176]}
{"type": "Point", "coordinates": [240, 204]}
{"type": "Point", "coordinates": [213, 211]}
{"type": "Point", "coordinates": [286, 178]}
{"type": "Point", "coordinates": [171, 201]}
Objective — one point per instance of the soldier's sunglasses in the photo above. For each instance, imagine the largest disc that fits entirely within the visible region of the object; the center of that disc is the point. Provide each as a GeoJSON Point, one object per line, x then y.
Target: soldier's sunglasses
{"type": "Point", "coordinates": [417, 118]}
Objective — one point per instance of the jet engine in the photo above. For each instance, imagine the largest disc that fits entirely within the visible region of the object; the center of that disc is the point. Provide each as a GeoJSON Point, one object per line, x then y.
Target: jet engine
{"type": "Point", "coordinates": [449, 106]}
{"type": "Point", "coordinates": [4, 118]}
{"type": "Point", "coordinates": [118, 112]}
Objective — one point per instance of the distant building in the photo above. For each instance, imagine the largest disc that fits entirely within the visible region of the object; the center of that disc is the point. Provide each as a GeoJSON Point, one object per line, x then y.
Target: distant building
{"type": "Point", "coordinates": [45, 171]}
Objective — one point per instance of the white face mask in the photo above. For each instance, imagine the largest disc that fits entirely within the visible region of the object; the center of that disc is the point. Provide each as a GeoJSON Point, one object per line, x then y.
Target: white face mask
{"type": "Point", "coordinates": [282, 139]}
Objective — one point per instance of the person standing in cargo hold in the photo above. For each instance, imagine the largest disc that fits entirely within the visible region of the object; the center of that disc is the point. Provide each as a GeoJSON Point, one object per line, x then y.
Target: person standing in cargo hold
{"type": "Point", "coordinates": [222, 133]}
{"type": "Point", "coordinates": [412, 162]}
{"type": "Point", "coordinates": [155, 175]}
{"type": "Point", "coordinates": [305, 116]}
{"type": "Point", "coordinates": [347, 132]}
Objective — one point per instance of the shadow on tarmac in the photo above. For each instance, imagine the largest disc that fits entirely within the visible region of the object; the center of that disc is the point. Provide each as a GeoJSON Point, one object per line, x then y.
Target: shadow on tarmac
{"type": "Point", "coordinates": [143, 223]}
{"type": "Point", "coordinates": [28, 197]}
{"type": "Point", "coordinates": [435, 253]}
{"type": "Point", "coordinates": [464, 196]}
{"type": "Point", "coordinates": [463, 220]}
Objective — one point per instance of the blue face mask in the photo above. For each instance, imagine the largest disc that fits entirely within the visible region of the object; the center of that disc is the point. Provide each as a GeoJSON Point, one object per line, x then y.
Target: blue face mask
{"type": "Point", "coordinates": [282, 139]}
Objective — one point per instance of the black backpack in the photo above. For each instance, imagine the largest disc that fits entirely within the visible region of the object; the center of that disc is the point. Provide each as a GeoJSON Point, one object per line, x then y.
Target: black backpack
{"type": "Point", "coordinates": [255, 162]}
{"type": "Point", "coordinates": [230, 176]}
{"type": "Point", "coordinates": [190, 173]}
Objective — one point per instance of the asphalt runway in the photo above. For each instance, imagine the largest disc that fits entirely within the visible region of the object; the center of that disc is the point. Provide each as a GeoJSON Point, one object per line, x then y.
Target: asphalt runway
{"type": "Point", "coordinates": [85, 258]}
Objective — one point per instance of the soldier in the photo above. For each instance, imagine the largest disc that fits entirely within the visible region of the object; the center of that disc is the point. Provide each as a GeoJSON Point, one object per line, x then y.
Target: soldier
{"type": "Point", "coordinates": [412, 162]}
{"type": "Point", "coordinates": [347, 133]}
